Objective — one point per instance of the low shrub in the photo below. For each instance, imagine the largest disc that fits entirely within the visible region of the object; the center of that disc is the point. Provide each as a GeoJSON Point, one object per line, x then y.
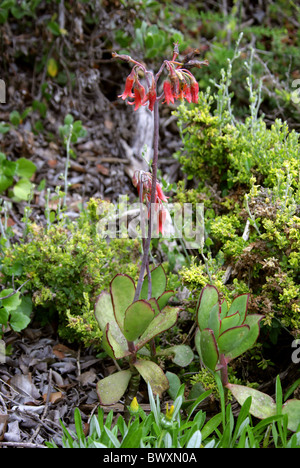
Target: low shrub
{"type": "Point", "coordinates": [65, 266]}
{"type": "Point", "coordinates": [247, 176]}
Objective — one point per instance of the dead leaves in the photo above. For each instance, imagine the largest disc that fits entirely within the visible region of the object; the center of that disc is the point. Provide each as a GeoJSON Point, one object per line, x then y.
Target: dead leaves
{"type": "Point", "coordinates": [40, 384]}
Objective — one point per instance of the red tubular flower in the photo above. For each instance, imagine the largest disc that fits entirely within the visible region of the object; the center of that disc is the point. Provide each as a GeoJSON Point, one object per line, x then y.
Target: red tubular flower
{"type": "Point", "coordinates": [168, 92]}
{"type": "Point", "coordinates": [162, 214]}
{"type": "Point", "coordinates": [159, 195]}
{"type": "Point", "coordinates": [128, 86]}
{"type": "Point", "coordinates": [138, 94]}
{"type": "Point", "coordinates": [195, 91]}
{"type": "Point", "coordinates": [151, 96]}
{"type": "Point", "coordinates": [187, 92]}
{"type": "Point", "coordinates": [145, 179]}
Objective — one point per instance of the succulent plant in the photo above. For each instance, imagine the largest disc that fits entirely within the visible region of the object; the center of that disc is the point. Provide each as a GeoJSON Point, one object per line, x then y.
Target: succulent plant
{"type": "Point", "coordinates": [223, 332]}
{"type": "Point", "coordinates": [129, 325]}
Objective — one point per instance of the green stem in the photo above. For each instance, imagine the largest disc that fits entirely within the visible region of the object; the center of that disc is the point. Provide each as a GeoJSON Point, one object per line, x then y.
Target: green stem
{"type": "Point", "coordinates": [162, 434]}
{"type": "Point", "coordinates": [67, 164]}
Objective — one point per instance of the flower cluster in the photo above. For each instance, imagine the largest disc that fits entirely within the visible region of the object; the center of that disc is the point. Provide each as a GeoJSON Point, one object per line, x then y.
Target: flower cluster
{"type": "Point", "coordinates": [143, 182]}
{"type": "Point", "coordinates": [134, 89]}
{"type": "Point", "coordinates": [180, 83]}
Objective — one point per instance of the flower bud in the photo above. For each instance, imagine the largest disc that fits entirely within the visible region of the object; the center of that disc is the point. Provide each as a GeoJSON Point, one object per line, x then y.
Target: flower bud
{"type": "Point", "coordinates": [134, 406]}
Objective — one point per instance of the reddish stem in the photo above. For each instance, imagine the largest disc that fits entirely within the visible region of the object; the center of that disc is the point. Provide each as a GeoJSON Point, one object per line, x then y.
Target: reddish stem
{"type": "Point", "coordinates": [224, 373]}
{"type": "Point", "coordinates": [153, 190]}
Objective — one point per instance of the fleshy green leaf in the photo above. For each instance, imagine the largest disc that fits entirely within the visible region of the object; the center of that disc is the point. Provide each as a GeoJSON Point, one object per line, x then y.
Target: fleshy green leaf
{"type": "Point", "coordinates": [208, 298]}
{"type": "Point", "coordinates": [113, 340]}
{"type": "Point", "coordinates": [112, 388]}
{"type": "Point", "coordinates": [154, 304]}
{"type": "Point", "coordinates": [158, 283]}
{"type": "Point", "coordinates": [122, 290]}
{"type": "Point", "coordinates": [197, 342]}
{"type": "Point", "coordinates": [164, 298]}
{"type": "Point", "coordinates": [240, 305]}
{"type": "Point", "coordinates": [209, 348]}
{"type": "Point", "coordinates": [116, 342]}
{"type": "Point", "coordinates": [230, 321]}
{"type": "Point", "coordinates": [137, 318]}
{"type": "Point", "coordinates": [253, 322]}
{"type": "Point", "coordinates": [214, 322]}
{"type": "Point", "coordinates": [182, 355]}
{"type": "Point", "coordinates": [104, 310]}
{"type": "Point", "coordinates": [153, 374]}
{"type": "Point", "coordinates": [232, 338]}
{"type": "Point", "coordinates": [162, 322]}
{"type": "Point", "coordinates": [174, 384]}
{"type": "Point", "coordinates": [224, 309]}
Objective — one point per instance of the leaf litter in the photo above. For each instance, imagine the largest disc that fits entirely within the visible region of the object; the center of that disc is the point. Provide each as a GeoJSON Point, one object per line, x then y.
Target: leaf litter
{"type": "Point", "coordinates": [39, 387]}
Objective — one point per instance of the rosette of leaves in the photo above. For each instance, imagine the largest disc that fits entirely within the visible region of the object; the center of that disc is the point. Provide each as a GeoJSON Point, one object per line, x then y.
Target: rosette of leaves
{"type": "Point", "coordinates": [224, 332]}
{"type": "Point", "coordinates": [128, 326]}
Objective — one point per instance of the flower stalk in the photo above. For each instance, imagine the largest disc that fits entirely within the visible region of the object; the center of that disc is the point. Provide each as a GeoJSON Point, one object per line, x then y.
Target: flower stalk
{"type": "Point", "coordinates": [179, 84]}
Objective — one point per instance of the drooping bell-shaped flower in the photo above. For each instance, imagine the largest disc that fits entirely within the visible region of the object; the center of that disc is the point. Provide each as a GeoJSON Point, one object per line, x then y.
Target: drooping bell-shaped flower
{"type": "Point", "coordinates": [195, 91]}
{"type": "Point", "coordinates": [168, 92]}
{"type": "Point", "coordinates": [187, 92]}
{"type": "Point", "coordinates": [128, 86]}
{"type": "Point", "coordinates": [138, 94]}
{"type": "Point", "coordinates": [151, 96]}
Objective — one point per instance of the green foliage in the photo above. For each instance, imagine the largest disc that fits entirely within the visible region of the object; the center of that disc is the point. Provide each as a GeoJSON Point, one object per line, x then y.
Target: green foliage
{"type": "Point", "coordinates": [228, 152]}
{"type": "Point", "coordinates": [181, 426]}
{"type": "Point", "coordinates": [251, 229]}
{"type": "Point", "coordinates": [263, 406]}
{"type": "Point", "coordinates": [17, 9]}
{"type": "Point", "coordinates": [225, 332]}
{"type": "Point", "coordinates": [153, 430]}
{"type": "Point", "coordinates": [15, 310]}
{"type": "Point", "coordinates": [67, 266]}
{"type": "Point", "coordinates": [154, 30]}
{"type": "Point", "coordinates": [128, 325]}
{"type": "Point", "coordinates": [15, 177]}
{"type": "Point", "coordinates": [72, 129]}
